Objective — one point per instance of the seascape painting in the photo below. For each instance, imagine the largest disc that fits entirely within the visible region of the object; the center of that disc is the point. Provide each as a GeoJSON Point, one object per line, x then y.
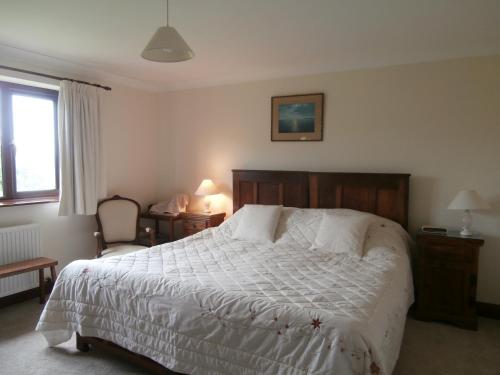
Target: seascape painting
{"type": "Point", "coordinates": [297, 117]}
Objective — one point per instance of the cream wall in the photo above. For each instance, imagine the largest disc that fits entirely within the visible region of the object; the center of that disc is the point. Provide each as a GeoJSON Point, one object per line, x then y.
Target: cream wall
{"type": "Point", "coordinates": [438, 121]}
{"type": "Point", "coordinates": [130, 126]}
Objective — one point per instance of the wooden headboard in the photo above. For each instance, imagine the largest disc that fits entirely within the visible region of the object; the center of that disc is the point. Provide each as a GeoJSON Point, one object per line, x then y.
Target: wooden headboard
{"type": "Point", "coordinates": [383, 194]}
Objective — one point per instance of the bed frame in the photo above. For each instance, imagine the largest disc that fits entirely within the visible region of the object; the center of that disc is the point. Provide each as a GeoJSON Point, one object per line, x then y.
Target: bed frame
{"type": "Point", "coordinates": [383, 194]}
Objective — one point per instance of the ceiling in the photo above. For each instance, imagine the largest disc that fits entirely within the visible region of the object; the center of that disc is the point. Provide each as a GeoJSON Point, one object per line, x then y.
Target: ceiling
{"type": "Point", "coordinates": [243, 40]}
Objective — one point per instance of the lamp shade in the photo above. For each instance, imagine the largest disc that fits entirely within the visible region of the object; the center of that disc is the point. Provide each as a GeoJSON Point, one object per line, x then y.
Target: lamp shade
{"type": "Point", "coordinates": [468, 200]}
{"type": "Point", "coordinates": [167, 45]}
{"type": "Point", "coordinates": [207, 187]}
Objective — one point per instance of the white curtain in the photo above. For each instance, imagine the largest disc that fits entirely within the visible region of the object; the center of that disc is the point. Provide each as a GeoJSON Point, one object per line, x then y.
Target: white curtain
{"type": "Point", "coordinates": [82, 181]}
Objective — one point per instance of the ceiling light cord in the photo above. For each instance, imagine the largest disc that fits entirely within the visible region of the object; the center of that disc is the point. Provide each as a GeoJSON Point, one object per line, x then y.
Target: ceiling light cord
{"type": "Point", "coordinates": [168, 20]}
{"type": "Point", "coordinates": [163, 4]}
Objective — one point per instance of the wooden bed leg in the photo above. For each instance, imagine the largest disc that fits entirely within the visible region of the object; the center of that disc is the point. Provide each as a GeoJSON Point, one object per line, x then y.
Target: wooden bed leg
{"type": "Point", "coordinates": [81, 345]}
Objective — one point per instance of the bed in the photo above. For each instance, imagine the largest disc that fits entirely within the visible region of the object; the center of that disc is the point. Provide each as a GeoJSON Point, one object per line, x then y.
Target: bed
{"type": "Point", "coordinates": [209, 304]}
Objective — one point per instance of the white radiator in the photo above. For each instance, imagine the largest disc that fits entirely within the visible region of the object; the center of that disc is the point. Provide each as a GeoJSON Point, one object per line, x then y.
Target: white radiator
{"type": "Point", "coordinates": [18, 243]}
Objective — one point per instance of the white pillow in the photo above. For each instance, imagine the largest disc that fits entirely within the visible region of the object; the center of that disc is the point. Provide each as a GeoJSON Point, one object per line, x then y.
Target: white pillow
{"type": "Point", "coordinates": [298, 226]}
{"type": "Point", "coordinates": [229, 226]}
{"type": "Point", "coordinates": [258, 223]}
{"type": "Point", "coordinates": [342, 233]}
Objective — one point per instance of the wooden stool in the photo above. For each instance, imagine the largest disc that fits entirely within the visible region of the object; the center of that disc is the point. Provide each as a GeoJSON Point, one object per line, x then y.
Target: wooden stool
{"type": "Point", "coordinates": [39, 264]}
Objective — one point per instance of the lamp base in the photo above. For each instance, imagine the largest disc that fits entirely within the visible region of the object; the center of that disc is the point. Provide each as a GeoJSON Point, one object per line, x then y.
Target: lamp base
{"type": "Point", "coordinates": [467, 223]}
{"type": "Point", "coordinates": [466, 232]}
{"type": "Point", "coordinates": [207, 205]}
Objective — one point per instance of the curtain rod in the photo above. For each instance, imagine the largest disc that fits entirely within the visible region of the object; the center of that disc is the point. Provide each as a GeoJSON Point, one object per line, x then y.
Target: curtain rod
{"type": "Point", "coordinates": [54, 77]}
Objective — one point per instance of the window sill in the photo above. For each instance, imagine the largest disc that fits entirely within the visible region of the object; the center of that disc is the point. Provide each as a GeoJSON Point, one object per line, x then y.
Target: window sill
{"type": "Point", "coordinates": [26, 201]}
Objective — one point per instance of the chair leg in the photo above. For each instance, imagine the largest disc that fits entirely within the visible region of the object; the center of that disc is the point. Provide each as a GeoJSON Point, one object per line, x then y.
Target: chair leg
{"type": "Point", "coordinates": [41, 283]}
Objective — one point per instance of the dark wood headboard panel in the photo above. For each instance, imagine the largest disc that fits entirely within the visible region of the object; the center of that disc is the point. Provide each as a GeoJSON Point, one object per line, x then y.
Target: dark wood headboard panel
{"type": "Point", "coordinates": [384, 194]}
{"type": "Point", "coordinates": [290, 189]}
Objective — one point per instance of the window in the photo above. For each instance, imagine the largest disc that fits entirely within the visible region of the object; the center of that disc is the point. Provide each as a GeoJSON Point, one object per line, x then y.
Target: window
{"type": "Point", "coordinates": [28, 131]}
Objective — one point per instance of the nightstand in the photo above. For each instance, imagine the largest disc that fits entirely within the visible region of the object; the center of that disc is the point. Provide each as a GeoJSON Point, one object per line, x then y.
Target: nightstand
{"type": "Point", "coordinates": [194, 222]}
{"type": "Point", "coordinates": [447, 278]}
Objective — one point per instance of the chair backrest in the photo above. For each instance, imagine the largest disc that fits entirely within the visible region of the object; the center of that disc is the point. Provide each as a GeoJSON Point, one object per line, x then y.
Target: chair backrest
{"type": "Point", "coordinates": [118, 219]}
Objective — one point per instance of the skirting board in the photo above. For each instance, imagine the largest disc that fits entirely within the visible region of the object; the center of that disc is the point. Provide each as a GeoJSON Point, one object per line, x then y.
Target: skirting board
{"type": "Point", "coordinates": [488, 310]}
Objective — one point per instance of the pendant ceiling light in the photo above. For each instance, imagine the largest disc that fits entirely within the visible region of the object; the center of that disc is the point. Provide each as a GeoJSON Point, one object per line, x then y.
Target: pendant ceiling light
{"type": "Point", "coordinates": [167, 45]}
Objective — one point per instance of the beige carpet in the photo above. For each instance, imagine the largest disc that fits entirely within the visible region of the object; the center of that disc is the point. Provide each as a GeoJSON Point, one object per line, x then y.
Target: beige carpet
{"type": "Point", "coordinates": [428, 349]}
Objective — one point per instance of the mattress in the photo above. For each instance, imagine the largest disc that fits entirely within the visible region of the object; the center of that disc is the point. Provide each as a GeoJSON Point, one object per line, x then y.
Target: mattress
{"type": "Point", "coordinates": [209, 304]}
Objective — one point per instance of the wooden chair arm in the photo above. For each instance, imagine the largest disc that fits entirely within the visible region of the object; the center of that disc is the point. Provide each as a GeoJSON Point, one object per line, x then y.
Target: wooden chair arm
{"type": "Point", "coordinates": [100, 244]}
{"type": "Point", "coordinates": [151, 232]}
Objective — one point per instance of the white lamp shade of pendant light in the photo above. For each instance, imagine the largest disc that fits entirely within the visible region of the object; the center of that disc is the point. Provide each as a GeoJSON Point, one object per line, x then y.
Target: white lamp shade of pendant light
{"type": "Point", "coordinates": [207, 187]}
{"type": "Point", "coordinates": [468, 200]}
{"type": "Point", "coordinates": [167, 45]}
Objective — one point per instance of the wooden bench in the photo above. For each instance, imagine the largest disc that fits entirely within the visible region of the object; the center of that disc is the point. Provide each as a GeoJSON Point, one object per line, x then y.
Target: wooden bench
{"type": "Point", "coordinates": [39, 264]}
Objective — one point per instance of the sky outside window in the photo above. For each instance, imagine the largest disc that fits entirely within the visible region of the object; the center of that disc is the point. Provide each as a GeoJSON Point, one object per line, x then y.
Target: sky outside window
{"type": "Point", "coordinates": [33, 123]}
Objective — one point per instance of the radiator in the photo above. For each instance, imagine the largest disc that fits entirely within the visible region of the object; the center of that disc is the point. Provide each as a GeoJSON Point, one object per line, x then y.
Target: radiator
{"type": "Point", "coordinates": [18, 243]}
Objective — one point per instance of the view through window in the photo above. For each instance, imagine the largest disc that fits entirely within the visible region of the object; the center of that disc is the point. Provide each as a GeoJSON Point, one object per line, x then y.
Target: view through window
{"type": "Point", "coordinates": [29, 165]}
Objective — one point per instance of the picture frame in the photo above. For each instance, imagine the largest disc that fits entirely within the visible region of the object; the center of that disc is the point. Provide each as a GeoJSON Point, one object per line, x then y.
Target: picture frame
{"type": "Point", "coordinates": [297, 117]}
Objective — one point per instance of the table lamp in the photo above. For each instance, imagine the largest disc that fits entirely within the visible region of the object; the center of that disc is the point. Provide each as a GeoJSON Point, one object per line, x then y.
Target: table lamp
{"type": "Point", "coordinates": [206, 188]}
{"type": "Point", "coordinates": [468, 200]}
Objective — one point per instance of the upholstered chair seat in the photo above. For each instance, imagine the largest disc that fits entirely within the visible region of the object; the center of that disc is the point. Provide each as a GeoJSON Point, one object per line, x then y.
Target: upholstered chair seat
{"type": "Point", "coordinates": [115, 250]}
{"type": "Point", "coordinates": [118, 222]}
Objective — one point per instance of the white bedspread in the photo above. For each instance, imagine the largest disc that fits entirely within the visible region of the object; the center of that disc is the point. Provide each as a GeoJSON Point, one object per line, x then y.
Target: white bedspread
{"type": "Point", "coordinates": [208, 304]}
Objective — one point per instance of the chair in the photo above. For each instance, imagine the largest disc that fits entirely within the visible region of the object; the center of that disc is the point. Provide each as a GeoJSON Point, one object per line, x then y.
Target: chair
{"type": "Point", "coordinates": [118, 224]}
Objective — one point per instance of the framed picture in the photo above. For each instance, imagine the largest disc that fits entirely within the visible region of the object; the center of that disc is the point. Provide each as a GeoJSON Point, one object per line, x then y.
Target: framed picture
{"type": "Point", "coordinates": [297, 118]}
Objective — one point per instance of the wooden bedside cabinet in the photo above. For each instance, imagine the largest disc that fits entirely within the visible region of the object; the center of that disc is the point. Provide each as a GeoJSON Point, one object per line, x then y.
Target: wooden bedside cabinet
{"type": "Point", "coordinates": [447, 278]}
{"type": "Point", "coordinates": [194, 222]}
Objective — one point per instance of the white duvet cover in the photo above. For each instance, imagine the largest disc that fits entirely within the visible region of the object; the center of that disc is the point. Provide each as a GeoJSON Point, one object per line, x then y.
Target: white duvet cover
{"type": "Point", "coordinates": [209, 304]}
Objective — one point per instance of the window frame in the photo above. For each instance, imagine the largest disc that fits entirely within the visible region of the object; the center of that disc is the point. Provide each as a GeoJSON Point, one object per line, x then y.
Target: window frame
{"type": "Point", "coordinates": [10, 193]}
